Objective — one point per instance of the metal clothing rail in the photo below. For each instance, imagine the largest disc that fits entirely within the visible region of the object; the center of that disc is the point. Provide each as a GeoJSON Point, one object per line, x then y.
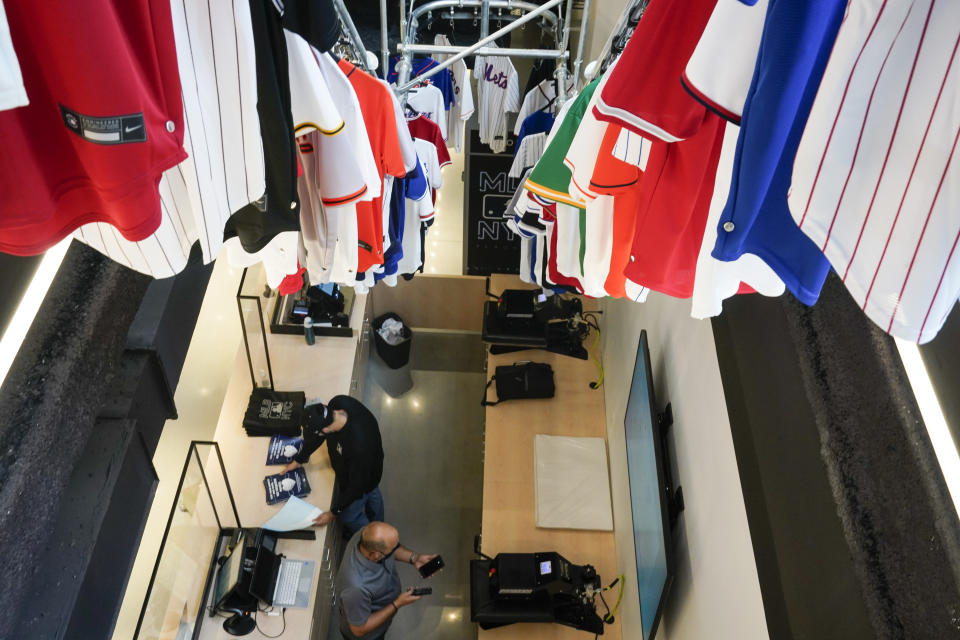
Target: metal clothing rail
{"type": "Point", "coordinates": [355, 40]}
{"type": "Point", "coordinates": [408, 26]}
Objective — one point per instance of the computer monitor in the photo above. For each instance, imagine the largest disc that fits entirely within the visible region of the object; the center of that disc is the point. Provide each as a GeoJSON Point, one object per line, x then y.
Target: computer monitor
{"type": "Point", "coordinates": [646, 468]}
{"type": "Point", "coordinates": [264, 577]}
{"type": "Point", "coordinates": [228, 577]}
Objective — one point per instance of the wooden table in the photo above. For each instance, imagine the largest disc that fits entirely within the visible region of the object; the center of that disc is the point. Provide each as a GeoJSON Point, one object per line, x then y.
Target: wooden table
{"type": "Point", "coordinates": [323, 370]}
{"type": "Point", "coordinates": [508, 478]}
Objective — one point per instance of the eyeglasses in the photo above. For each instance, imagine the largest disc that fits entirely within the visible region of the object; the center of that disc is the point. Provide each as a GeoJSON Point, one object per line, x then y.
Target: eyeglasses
{"type": "Point", "coordinates": [390, 553]}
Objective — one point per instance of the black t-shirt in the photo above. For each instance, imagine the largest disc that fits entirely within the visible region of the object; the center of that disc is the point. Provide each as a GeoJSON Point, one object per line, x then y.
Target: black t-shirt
{"type": "Point", "coordinates": [279, 210]}
{"type": "Point", "coordinates": [356, 451]}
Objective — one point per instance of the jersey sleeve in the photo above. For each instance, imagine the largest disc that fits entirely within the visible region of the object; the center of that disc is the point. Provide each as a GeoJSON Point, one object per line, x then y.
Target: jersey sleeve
{"type": "Point", "coordinates": [415, 183]}
{"type": "Point", "coordinates": [311, 104]}
{"type": "Point", "coordinates": [391, 155]}
{"type": "Point", "coordinates": [512, 99]}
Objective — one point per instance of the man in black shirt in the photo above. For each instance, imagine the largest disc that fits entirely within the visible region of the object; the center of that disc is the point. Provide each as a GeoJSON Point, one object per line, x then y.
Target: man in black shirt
{"type": "Point", "coordinates": [356, 455]}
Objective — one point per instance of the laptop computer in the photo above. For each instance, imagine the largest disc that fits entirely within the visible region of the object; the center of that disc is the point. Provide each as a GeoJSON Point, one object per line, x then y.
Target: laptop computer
{"type": "Point", "coordinates": [280, 581]}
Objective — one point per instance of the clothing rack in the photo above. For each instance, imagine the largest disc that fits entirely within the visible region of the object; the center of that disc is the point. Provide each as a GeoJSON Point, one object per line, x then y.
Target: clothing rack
{"type": "Point", "coordinates": [356, 41]}
{"type": "Point", "coordinates": [618, 37]}
{"type": "Point", "coordinates": [409, 23]}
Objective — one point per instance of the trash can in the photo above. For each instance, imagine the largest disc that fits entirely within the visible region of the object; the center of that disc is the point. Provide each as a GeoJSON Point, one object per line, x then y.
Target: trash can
{"type": "Point", "coordinates": [394, 355]}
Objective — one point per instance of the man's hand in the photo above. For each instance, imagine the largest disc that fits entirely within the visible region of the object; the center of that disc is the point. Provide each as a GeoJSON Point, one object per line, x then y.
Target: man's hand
{"type": "Point", "coordinates": [405, 598]}
{"type": "Point", "coordinates": [422, 559]}
{"type": "Point", "coordinates": [290, 467]}
{"type": "Point", "coordinates": [323, 519]}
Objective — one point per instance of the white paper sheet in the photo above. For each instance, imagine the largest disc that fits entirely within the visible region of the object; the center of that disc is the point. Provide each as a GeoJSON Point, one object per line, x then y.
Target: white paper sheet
{"type": "Point", "coordinates": [295, 514]}
{"type": "Point", "coordinates": [572, 483]}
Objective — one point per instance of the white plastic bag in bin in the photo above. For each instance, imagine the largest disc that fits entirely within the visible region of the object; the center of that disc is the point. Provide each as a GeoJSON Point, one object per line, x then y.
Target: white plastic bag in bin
{"type": "Point", "coordinates": [391, 331]}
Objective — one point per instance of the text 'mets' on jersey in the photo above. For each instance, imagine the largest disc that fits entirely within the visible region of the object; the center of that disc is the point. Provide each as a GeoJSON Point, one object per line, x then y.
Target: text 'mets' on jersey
{"type": "Point", "coordinates": [105, 120]}
{"type": "Point", "coordinates": [876, 180]}
{"type": "Point", "coordinates": [498, 92]}
{"type": "Point", "coordinates": [650, 98]}
{"type": "Point", "coordinates": [719, 72]}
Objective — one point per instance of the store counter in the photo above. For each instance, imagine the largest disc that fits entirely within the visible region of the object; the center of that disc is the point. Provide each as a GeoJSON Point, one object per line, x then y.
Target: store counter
{"type": "Point", "coordinates": [322, 370]}
{"type": "Point", "coordinates": [509, 519]}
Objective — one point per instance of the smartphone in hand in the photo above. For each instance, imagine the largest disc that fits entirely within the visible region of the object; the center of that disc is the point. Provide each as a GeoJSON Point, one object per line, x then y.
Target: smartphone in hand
{"type": "Point", "coordinates": [431, 567]}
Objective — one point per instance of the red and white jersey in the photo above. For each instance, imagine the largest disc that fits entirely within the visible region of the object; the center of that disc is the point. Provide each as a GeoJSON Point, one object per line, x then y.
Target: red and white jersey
{"type": "Point", "coordinates": [876, 180]}
{"type": "Point", "coordinates": [105, 120]}
{"type": "Point", "coordinates": [224, 168]}
{"type": "Point", "coordinates": [645, 92]}
{"type": "Point", "coordinates": [716, 280]}
{"type": "Point", "coordinates": [721, 68]}
{"type": "Point", "coordinates": [12, 93]}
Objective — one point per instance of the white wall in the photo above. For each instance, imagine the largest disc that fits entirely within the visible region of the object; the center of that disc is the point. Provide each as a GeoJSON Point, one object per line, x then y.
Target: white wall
{"type": "Point", "coordinates": [716, 593]}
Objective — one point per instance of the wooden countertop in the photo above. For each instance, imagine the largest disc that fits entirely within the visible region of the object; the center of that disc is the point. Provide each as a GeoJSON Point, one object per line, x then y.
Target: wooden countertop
{"type": "Point", "coordinates": [508, 479]}
{"type": "Point", "coordinates": [321, 371]}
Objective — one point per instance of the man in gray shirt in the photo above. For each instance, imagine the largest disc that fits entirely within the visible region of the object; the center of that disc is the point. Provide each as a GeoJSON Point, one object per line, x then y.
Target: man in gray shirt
{"type": "Point", "coordinates": [368, 584]}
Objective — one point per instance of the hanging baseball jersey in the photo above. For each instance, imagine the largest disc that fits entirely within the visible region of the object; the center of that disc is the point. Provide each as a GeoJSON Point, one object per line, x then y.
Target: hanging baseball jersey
{"type": "Point", "coordinates": [716, 280]}
{"type": "Point", "coordinates": [463, 106]}
{"type": "Point", "coordinates": [527, 154]}
{"type": "Point", "coordinates": [645, 92]}
{"type": "Point", "coordinates": [428, 102]}
{"type": "Point", "coordinates": [498, 93]}
{"type": "Point", "coordinates": [381, 124]}
{"type": "Point", "coordinates": [442, 80]}
{"type": "Point", "coordinates": [411, 187]}
{"type": "Point", "coordinates": [424, 129]}
{"type": "Point", "coordinates": [876, 173]}
{"type": "Point", "coordinates": [616, 181]}
{"type": "Point", "coordinates": [105, 120]}
{"type": "Point", "coordinates": [551, 177]}
{"type": "Point", "coordinates": [798, 36]}
{"type": "Point", "coordinates": [540, 98]}
{"type": "Point", "coordinates": [719, 72]}
{"type": "Point", "coordinates": [215, 54]}
{"type": "Point", "coordinates": [12, 93]}
{"type": "Point", "coordinates": [407, 150]}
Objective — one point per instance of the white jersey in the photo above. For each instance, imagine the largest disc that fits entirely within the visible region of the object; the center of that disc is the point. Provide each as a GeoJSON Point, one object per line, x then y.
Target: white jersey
{"type": "Point", "coordinates": [407, 148]}
{"type": "Point", "coordinates": [418, 211]}
{"type": "Point", "coordinates": [716, 280]}
{"type": "Point", "coordinates": [528, 153]}
{"type": "Point", "coordinates": [498, 92]}
{"type": "Point", "coordinates": [462, 107]}
{"type": "Point", "coordinates": [720, 70]}
{"type": "Point", "coordinates": [224, 169]}
{"type": "Point", "coordinates": [876, 173]}
{"type": "Point", "coordinates": [428, 100]}
{"type": "Point", "coordinates": [12, 92]}
{"type": "Point", "coordinates": [581, 157]}
{"type": "Point", "coordinates": [541, 96]}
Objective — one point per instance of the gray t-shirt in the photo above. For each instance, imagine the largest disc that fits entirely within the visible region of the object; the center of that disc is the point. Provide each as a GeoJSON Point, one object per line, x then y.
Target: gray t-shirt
{"type": "Point", "coordinates": [364, 587]}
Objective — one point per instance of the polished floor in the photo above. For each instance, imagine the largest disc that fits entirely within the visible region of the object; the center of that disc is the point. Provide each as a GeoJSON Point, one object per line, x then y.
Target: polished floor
{"type": "Point", "coordinates": [431, 422]}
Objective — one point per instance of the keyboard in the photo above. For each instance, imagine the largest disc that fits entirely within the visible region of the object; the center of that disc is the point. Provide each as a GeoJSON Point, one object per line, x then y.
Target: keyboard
{"type": "Point", "coordinates": [287, 583]}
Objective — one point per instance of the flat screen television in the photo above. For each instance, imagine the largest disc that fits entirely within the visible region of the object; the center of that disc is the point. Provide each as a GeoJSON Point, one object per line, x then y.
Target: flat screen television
{"type": "Point", "coordinates": [648, 493]}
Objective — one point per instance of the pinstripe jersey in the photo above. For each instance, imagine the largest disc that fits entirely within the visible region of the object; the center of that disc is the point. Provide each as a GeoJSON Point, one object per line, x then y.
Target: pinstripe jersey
{"type": "Point", "coordinates": [462, 107]}
{"type": "Point", "coordinates": [224, 168]}
{"type": "Point", "coordinates": [498, 91]}
{"type": "Point", "coordinates": [876, 180]}
{"type": "Point", "coordinates": [528, 153]}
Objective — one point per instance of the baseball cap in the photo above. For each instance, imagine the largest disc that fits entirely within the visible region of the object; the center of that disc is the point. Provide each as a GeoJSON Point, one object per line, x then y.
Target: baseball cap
{"type": "Point", "coordinates": [317, 416]}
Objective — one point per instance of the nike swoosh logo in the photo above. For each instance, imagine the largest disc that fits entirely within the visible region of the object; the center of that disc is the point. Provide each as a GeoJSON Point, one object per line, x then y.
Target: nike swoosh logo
{"type": "Point", "coordinates": [129, 129]}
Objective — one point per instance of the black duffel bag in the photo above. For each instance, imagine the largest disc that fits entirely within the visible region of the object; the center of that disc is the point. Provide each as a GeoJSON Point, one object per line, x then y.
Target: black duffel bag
{"type": "Point", "coordinates": [521, 380]}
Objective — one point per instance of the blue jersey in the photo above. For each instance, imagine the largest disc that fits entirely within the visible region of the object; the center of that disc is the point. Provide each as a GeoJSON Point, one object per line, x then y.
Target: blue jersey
{"type": "Point", "coordinates": [536, 122]}
{"type": "Point", "coordinates": [442, 80]}
{"type": "Point", "coordinates": [798, 36]}
{"type": "Point", "coordinates": [413, 186]}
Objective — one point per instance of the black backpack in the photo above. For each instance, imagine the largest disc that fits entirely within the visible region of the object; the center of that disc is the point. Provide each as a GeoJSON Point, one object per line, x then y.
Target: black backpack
{"type": "Point", "coordinates": [521, 380]}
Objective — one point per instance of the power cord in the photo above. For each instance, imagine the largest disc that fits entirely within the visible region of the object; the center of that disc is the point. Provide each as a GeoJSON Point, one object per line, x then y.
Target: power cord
{"type": "Point", "coordinates": [283, 616]}
{"type": "Point", "coordinates": [609, 617]}
{"type": "Point", "coordinates": [591, 320]}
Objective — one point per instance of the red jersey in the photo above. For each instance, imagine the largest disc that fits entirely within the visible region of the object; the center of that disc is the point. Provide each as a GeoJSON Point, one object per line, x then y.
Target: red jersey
{"type": "Point", "coordinates": [105, 119]}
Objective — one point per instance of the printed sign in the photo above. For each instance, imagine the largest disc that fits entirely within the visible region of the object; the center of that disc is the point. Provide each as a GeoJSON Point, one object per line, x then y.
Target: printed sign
{"type": "Point", "coordinates": [490, 246]}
